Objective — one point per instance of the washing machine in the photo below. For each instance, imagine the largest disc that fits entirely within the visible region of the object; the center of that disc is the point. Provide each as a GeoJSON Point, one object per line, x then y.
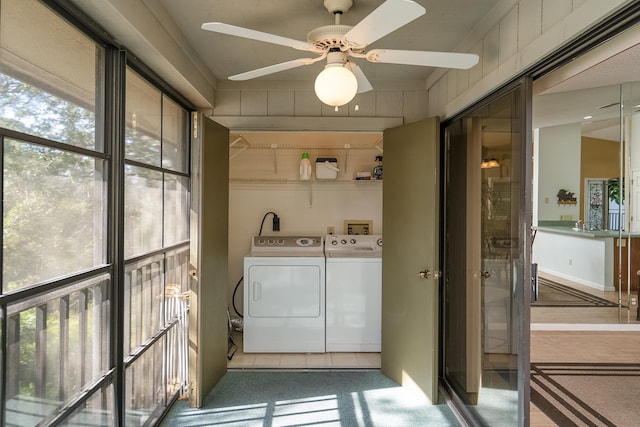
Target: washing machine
{"type": "Point", "coordinates": [354, 292]}
{"type": "Point", "coordinates": [284, 295]}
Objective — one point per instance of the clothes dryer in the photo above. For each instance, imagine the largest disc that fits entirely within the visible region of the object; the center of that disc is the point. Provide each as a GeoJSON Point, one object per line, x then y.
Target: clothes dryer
{"type": "Point", "coordinates": [284, 295]}
{"type": "Point", "coordinates": [354, 292]}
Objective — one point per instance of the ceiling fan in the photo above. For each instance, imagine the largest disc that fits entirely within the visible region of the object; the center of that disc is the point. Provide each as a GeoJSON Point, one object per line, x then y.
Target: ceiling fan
{"type": "Point", "coordinates": [341, 78]}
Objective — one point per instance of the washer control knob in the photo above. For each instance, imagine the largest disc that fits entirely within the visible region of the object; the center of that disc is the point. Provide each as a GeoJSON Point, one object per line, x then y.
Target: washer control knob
{"type": "Point", "coordinates": [334, 242]}
{"type": "Point", "coordinates": [343, 241]}
{"type": "Point", "coordinates": [353, 241]}
{"type": "Point", "coordinates": [261, 242]}
{"type": "Point", "coordinates": [281, 241]}
{"type": "Point", "coordinates": [379, 241]}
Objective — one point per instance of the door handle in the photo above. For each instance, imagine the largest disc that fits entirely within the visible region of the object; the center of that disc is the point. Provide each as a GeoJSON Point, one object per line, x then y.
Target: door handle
{"type": "Point", "coordinates": [485, 274]}
{"type": "Point", "coordinates": [424, 274]}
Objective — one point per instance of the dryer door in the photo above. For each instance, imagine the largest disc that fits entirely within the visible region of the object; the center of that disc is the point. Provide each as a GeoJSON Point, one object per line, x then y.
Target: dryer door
{"type": "Point", "coordinates": [284, 291]}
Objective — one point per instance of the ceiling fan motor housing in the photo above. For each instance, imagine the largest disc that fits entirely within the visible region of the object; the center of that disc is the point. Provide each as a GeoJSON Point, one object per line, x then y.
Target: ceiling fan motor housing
{"type": "Point", "coordinates": [328, 37]}
{"type": "Point", "coordinates": [336, 58]}
{"type": "Point", "coordinates": [338, 6]}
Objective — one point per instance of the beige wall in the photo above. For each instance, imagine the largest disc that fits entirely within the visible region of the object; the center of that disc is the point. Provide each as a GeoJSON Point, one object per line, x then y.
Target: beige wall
{"type": "Point", "coordinates": [512, 37]}
{"type": "Point", "coordinates": [254, 99]}
{"type": "Point", "coordinates": [558, 154]}
{"type": "Point", "coordinates": [599, 158]}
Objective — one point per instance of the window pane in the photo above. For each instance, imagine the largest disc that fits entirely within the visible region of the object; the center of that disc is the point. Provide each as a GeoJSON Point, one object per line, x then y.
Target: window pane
{"type": "Point", "coordinates": [54, 221]}
{"type": "Point", "coordinates": [175, 138]}
{"type": "Point", "coordinates": [143, 117]}
{"type": "Point", "coordinates": [143, 210]}
{"type": "Point", "coordinates": [484, 353]}
{"type": "Point", "coordinates": [48, 84]}
{"type": "Point", "coordinates": [145, 388]}
{"type": "Point", "coordinates": [98, 410]}
{"type": "Point", "coordinates": [177, 307]}
{"type": "Point", "coordinates": [144, 283]}
{"type": "Point", "coordinates": [57, 345]}
{"type": "Point", "coordinates": [176, 209]}
{"type": "Point", "coordinates": [177, 270]}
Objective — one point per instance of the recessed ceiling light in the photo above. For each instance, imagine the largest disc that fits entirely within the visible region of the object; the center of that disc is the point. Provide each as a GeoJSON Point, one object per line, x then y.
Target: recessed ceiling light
{"type": "Point", "coordinates": [588, 117]}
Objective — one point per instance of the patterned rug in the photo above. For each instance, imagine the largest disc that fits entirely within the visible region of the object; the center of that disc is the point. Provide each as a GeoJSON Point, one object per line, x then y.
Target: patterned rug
{"type": "Point", "coordinates": [553, 294]}
{"type": "Point", "coordinates": [587, 394]}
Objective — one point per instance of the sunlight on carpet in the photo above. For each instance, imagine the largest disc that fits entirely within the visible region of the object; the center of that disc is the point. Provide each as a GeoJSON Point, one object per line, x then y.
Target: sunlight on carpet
{"type": "Point", "coordinates": [318, 398]}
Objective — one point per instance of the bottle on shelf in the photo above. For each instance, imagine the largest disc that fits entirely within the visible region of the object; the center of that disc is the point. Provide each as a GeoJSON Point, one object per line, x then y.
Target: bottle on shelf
{"type": "Point", "coordinates": [377, 169]}
{"type": "Point", "coordinates": [305, 167]}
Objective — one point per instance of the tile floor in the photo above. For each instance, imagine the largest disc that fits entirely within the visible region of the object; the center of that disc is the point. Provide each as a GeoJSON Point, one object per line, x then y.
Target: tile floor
{"type": "Point", "coordinates": [241, 360]}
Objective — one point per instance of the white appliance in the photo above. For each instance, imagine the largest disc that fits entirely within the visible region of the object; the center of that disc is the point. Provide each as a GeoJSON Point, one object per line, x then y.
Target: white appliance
{"type": "Point", "coordinates": [354, 292]}
{"type": "Point", "coordinates": [284, 295]}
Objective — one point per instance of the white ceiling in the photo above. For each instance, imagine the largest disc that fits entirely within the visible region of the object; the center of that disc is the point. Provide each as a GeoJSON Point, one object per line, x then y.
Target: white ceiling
{"type": "Point", "coordinates": [591, 90]}
{"type": "Point", "coordinates": [442, 28]}
{"type": "Point", "coordinates": [447, 23]}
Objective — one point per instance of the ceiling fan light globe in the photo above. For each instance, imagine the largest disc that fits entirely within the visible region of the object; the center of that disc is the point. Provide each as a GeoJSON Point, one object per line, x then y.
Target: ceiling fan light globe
{"type": "Point", "coordinates": [336, 85]}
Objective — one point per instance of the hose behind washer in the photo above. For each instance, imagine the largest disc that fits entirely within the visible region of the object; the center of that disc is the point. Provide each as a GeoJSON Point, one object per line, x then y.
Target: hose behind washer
{"type": "Point", "coordinates": [233, 298]}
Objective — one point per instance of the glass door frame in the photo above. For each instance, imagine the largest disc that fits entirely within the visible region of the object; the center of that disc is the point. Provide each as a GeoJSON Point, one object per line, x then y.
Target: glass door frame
{"type": "Point", "coordinates": [523, 126]}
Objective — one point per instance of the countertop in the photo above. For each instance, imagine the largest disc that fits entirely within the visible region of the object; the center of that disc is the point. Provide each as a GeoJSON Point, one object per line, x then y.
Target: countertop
{"type": "Point", "coordinates": [562, 229]}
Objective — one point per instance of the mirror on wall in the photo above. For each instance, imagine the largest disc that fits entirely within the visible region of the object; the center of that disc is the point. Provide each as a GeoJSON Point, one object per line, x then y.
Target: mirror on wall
{"type": "Point", "coordinates": [586, 118]}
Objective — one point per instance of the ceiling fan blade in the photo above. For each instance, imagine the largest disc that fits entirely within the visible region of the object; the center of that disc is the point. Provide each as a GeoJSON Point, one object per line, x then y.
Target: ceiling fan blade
{"type": "Point", "coordinates": [388, 17]}
{"type": "Point", "coordinates": [363, 83]}
{"type": "Point", "coordinates": [232, 30]}
{"type": "Point", "coordinates": [424, 58]}
{"type": "Point", "coordinates": [273, 69]}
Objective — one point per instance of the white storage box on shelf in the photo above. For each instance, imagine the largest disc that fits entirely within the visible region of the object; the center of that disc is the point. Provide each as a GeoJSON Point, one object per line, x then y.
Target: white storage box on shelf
{"type": "Point", "coordinates": [326, 168]}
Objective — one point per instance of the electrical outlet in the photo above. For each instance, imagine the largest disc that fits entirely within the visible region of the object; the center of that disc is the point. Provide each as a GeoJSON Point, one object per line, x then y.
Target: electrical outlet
{"type": "Point", "coordinates": [570, 261]}
{"type": "Point", "coordinates": [331, 230]}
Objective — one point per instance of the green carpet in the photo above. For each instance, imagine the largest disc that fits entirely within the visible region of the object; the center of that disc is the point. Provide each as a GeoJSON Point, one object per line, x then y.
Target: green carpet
{"type": "Point", "coordinates": [553, 294]}
{"type": "Point", "coordinates": [310, 398]}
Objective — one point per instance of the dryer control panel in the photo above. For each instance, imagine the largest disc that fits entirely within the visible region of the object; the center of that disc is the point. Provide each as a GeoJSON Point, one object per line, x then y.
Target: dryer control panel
{"type": "Point", "coordinates": [280, 244]}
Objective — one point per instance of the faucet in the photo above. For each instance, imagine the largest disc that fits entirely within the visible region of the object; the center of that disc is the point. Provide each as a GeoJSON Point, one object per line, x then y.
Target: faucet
{"type": "Point", "coordinates": [578, 224]}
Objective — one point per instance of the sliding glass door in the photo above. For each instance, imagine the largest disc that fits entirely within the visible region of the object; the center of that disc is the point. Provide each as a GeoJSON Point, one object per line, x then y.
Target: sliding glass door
{"type": "Point", "coordinates": [486, 266]}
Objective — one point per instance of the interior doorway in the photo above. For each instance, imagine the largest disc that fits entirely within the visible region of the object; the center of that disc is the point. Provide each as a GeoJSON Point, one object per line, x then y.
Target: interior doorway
{"type": "Point", "coordinates": [585, 116]}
